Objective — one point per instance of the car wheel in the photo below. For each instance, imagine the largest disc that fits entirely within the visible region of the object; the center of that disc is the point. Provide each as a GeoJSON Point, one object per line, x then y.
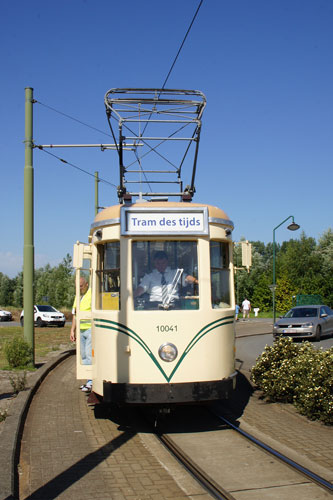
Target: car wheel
{"type": "Point", "coordinates": [63, 324]}
{"type": "Point", "coordinates": [318, 333]}
{"type": "Point", "coordinates": [22, 321]}
{"type": "Point", "coordinates": [39, 322]}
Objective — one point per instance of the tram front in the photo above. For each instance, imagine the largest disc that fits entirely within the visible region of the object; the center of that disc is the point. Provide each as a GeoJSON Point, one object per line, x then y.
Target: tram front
{"type": "Point", "coordinates": [162, 304]}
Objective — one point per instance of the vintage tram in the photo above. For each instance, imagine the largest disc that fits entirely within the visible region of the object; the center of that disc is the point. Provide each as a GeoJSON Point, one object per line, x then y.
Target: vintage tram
{"type": "Point", "coordinates": [161, 280]}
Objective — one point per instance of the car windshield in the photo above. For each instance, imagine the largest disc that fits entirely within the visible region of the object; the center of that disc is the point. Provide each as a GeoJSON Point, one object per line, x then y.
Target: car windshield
{"type": "Point", "coordinates": [46, 309]}
{"type": "Point", "coordinates": [303, 312]}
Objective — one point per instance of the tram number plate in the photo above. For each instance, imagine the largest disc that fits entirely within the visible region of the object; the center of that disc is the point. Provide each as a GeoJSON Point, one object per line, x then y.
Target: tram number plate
{"type": "Point", "coordinates": [166, 328]}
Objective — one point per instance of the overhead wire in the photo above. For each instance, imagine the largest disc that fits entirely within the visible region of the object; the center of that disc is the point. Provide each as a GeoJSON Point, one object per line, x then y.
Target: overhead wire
{"type": "Point", "coordinates": [105, 133]}
{"type": "Point", "coordinates": [169, 73]}
{"type": "Point", "coordinates": [181, 46]}
{"type": "Point", "coordinates": [74, 166]}
{"type": "Point", "coordinates": [72, 118]}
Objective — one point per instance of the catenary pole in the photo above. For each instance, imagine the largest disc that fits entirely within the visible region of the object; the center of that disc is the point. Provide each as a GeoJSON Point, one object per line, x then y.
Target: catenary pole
{"type": "Point", "coordinates": [28, 251]}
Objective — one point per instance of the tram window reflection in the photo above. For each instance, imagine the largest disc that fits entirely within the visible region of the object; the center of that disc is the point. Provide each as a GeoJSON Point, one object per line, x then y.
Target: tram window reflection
{"type": "Point", "coordinates": [165, 275]}
{"type": "Point", "coordinates": [220, 274]}
{"type": "Point", "coordinates": [108, 276]}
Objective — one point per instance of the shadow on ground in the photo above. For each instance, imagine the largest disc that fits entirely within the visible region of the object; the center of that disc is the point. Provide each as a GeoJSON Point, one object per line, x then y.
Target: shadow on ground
{"type": "Point", "coordinates": [188, 418]}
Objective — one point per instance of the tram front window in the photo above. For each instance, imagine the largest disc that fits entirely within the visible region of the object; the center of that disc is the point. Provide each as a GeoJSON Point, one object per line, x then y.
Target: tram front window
{"type": "Point", "coordinates": [108, 276]}
{"type": "Point", "coordinates": [165, 275]}
{"type": "Point", "coordinates": [220, 274]}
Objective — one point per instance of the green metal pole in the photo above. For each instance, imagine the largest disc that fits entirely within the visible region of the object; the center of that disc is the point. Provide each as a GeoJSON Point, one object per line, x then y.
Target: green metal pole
{"type": "Point", "coordinates": [96, 192]}
{"type": "Point", "coordinates": [28, 251]}
{"type": "Point", "coordinates": [274, 284]}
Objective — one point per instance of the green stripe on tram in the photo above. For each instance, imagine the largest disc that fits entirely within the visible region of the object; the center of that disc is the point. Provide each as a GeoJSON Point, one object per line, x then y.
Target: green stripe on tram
{"type": "Point", "coordinates": [123, 329]}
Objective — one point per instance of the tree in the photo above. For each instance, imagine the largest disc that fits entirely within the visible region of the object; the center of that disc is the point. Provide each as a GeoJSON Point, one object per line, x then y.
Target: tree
{"type": "Point", "coordinates": [6, 290]}
{"type": "Point", "coordinates": [262, 295]}
{"type": "Point", "coordinates": [18, 291]}
{"type": "Point", "coordinates": [283, 294]}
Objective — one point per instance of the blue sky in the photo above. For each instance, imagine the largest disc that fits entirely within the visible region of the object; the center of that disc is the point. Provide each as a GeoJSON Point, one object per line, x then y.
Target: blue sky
{"type": "Point", "coordinates": [266, 146]}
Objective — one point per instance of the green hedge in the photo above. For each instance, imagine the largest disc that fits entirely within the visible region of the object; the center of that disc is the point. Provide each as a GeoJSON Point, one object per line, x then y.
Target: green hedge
{"type": "Point", "coordinates": [299, 374]}
{"type": "Point", "coordinates": [18, 353]}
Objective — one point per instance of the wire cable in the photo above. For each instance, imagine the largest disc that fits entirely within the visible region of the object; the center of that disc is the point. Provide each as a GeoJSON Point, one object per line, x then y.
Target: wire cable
{"type": "Point", "coordinates": [175, 59]}
{"type": "Point", "coordinates": [181, 46]}
{"type": "Point", "coordinates": [101, 131]}
{"type": "Point", "coordinates": [71, 118]}
{"type": "Point", "coordinates": [74, 166]}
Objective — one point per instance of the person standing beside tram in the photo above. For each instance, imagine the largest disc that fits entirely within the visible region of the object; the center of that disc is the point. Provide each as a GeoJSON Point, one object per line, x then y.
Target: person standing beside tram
{"type": "Point", "coordinates": [85, 329]}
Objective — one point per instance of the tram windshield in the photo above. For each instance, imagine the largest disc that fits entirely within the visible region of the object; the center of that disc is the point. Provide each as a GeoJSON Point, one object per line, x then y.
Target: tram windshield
{"type": "Point", "coordinates": [165, 275]}
{"type": "Point", "coordinates": [220, 274]}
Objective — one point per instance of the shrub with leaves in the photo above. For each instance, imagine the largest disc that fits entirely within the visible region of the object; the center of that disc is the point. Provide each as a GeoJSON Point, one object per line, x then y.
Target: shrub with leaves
{"type": "Point", "coordinates": [18, 353]}
{"type": "Point", "coordinates": [3, 415]}
{"type": "Point", "coordinates": [297, 374]}
{"type": "Point", "coordinates": [18, 383]}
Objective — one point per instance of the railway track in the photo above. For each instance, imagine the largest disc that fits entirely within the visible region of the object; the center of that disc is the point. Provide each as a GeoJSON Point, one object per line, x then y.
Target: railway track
{"type": "Point", "coordinates": [233, 465]}
{"type": "Point", "coordinates": [213, 451]}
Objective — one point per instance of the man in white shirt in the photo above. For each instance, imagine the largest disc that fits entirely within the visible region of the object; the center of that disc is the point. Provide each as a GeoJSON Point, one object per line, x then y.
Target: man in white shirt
{"type": "Point", "coordinates": [163, 282]}
{"type": "Point", "coordinates": [246, 306]}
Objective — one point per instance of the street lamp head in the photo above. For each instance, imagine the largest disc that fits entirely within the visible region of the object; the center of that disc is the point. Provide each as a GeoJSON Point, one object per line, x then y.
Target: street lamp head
{"type": "Point", "coordinates": [293, 226]}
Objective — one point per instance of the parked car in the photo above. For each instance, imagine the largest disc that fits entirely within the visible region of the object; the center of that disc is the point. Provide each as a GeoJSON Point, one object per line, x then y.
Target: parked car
{"type": "Point", "coordinates": [46, 316]}
{"type": "Point", "coordinates": [305, 322]}
{"type": "Point", "coordinates": [5, 315]}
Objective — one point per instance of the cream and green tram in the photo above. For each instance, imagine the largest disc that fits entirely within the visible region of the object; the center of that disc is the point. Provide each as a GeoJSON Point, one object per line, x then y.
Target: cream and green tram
{"type": "Point", "coordinates": [146, 351]}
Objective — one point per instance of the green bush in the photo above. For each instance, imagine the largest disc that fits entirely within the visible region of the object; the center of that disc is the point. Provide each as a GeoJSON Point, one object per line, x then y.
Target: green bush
{"type": "Point", "coordinates": [297, 374]}
{"type": "Point", "coordinates": [18, 353]}
{"type": "Point", "coordinates": [18, 383]}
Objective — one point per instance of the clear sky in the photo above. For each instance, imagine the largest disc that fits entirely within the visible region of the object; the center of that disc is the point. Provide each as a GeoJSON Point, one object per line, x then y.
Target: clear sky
{"type": "Point", "coordinates": [266, 146]}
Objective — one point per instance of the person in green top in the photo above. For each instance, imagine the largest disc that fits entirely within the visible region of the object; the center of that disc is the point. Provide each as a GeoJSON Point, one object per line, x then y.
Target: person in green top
{"type": "Point", "coordinates": [85, 328]}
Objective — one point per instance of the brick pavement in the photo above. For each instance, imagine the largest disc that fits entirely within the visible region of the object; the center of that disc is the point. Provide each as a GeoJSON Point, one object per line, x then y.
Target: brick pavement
{"type": "Point", "coordinates": [68, 453]}
{"type": "Point", "coordinates": [309, 443]}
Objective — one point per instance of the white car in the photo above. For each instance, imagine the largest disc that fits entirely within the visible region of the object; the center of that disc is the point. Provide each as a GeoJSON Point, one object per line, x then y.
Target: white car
{"type": "Point", "coordinates": [46, 316]}
{"type": "Point", "coordinates": [5, 315]}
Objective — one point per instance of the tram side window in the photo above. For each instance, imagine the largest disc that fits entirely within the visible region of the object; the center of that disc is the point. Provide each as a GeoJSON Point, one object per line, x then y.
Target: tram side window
{"type": "Point", "coordinates": [165, 275]}
{"type": "Point", "coordinates": [220, 274]}
{"type": "Point", "coordinates": [108, 276]}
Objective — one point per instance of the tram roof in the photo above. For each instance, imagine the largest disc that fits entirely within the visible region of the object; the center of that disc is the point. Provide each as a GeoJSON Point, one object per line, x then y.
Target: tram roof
{"type": "Point", "coordinates": [113, 212]}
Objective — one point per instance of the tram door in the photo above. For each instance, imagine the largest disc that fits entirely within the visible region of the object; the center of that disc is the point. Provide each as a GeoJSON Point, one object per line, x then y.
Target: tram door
{"type": "Point", "coordinates": [82, 256]}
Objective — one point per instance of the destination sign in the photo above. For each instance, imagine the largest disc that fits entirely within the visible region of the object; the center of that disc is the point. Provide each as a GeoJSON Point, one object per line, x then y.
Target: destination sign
{"type": "Point", "coordinates": [135, 221]}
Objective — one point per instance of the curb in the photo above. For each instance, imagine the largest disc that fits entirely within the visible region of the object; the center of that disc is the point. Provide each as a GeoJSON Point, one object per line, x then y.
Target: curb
{"type": "Point", "coordinates": [13, 429]}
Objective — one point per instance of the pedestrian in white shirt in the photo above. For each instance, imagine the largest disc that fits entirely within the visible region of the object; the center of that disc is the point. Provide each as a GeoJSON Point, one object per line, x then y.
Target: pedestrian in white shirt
{"type": "Point", "coordinates": [246, 306]}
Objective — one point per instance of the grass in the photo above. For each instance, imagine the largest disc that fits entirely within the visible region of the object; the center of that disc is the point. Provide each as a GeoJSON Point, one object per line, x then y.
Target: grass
{"type": "Point", "coordinates": [47, 340]}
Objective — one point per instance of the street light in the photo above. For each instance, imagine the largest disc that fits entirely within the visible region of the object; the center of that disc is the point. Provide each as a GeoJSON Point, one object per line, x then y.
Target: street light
{"type": "Point", "coordinates": [292, 227]}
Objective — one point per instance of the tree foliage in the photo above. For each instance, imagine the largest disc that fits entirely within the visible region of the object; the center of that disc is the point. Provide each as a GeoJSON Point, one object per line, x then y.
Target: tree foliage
{"type": "Point", "coordinates": [303, 266]}
{"type": "Point", "coordinates": [52, 285]}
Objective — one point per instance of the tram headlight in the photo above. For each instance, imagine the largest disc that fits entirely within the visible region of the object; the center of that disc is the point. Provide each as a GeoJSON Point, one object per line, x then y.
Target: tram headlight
{"type": "Point", "coordinates": [168, 352]}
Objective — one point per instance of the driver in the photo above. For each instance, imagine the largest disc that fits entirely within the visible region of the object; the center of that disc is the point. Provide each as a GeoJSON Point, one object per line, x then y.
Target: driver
{"type": "Point", "coordinates": [162, 283]}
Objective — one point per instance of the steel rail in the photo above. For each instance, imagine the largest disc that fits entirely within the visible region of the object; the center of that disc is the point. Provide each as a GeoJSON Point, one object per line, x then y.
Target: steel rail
{"type": "Point", "coordinates": [303, 470]}
{"type": "Point", "coordinates": [206, 482]}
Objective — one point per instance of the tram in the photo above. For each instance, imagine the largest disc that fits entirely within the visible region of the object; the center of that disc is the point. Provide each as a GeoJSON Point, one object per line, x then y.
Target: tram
{"type": "Point", "coordinates": [161, 279]}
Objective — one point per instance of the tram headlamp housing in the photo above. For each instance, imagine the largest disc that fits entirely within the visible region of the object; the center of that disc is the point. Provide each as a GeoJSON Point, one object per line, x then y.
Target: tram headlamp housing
{"type": "Point", "coordinates": [168, 352]}
{"type": "Point", "coordinates": [99, 234]}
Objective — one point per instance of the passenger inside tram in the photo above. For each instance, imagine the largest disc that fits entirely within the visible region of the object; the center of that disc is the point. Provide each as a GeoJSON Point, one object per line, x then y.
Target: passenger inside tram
{"type": "Point", "coordinates": [163, 287]}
